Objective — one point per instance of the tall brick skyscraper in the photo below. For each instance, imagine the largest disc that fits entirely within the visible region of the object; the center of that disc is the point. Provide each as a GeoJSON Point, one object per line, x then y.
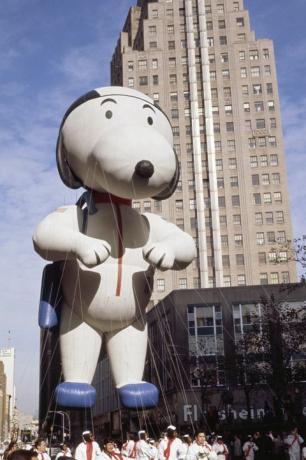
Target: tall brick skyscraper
{"type": "Point", "coordinates": [200, 61]}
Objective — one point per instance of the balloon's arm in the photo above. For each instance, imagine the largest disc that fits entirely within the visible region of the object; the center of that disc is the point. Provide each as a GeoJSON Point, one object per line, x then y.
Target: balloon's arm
{"type": "Point", "coordinates": [168, 246]}
{"type": "Point", "coordinates": [58, 237]}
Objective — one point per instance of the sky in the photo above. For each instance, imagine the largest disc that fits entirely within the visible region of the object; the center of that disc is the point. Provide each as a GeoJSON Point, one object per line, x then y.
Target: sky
{"type": "Point", "coordinates": [51, 52]}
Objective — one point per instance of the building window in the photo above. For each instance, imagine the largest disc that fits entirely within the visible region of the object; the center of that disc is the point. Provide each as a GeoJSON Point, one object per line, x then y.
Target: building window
{"type": "Point", "coordinates": [255, 72]}
{"type": "Point", "coordinates": [254, 55]}
{"type": "Point", "coordinates": [272, 141]}
{"type": "Point", "coordinates": [154, 13]}
{"type": "Point", "coordinates": [220, 8]}
{"type": "Point", "coordinates": [262, 142]}
{"type": "Point", "coordinates": [235, 200]}
{"type": "Point", "coordinates": [236, 6]}
{"type": "Point", "coordinates": [263, 278]}
{"type": "Point", "coordinates": [142, 64]}
{"type": "Point", "coordinates": [192, 203]}
{"type": "Point", "coordinates": [174, 113]}
{"type": "Point", "coordinates": [256, 198]}
{"type": "Point", "coordinates": [215, 109]}
{"type": "Point", "coordinates": [260, 123]}
{"type": "Point", "coordinates": [223, 220]}
{"type": "Point", "coordinates": [237, 219]}
{"type": "Point", "coordinates": [271, 237]}
{"type": "Point", "coordinates": [253, 161]}
{"type": "Point", "coordinates": [260, 238]}
{"type": "Point", "coordinates": [220, 182]}
{"type": "Point", "coordinates": [178, 205]}
{"type": "Point", "coordinates": [210, 41]}
{"type": "Point", "coordinates": [232, 163]}
{"type": "Point", "coordinates": [255, 179]}
{"type": "Point", "coordinates": [241, 55]}
{"type": "Point", "coordinates": [130, 66]}
{"type": "Point", "coordinates": [223, 40]}
{"type": "Point", "coordinates": [279, 217]}
{"type": "Point", "coordinates": [245, 90]}
{"type": "Point", "coordinates": [227, 92]}
{"type": "Point", "coordinates": [267, 70]}
{"type": "Point", "coordinates": [269, 88]}
{"type": "Point", "coordinates": [238, 240]}
{"type": "Point", "coordinates": [147, 206]}
{"type": "Point", "coordinates": [271, 106]}
{"type": "Point", "coordinates": [252, 142]}
{"type": "Point", "coordinates": [209, 25]}
{"type": "Point", "coordinates": [170, 28]}
{"type": "Point", "coordinates": [281, 236]}
{"type": "Point", "coordinates": [274, 160]}
{"type": "Point", "coordinates": [257, 89]}
{"type": "Point", "coordinates": [155, 79]}
{"type": "Point", "coordinates": [269, 218]}
{"type": "Point", "coordinates": [158, 206]}
{"type": "Point", "coordinates": [258, 218]}
{"type": "Point", "coordinates": [224, 58]}
{"type": "Point", "coordinates": [160, 285]}
{"type": "Point", "coordinates": [171, 45]}
{"type": "Point", "coordinates": [224, 240]}
{"type": "Point", "coordinates": [130, 82]}
{"type": "Point", "coordinates": [259, 106]}
{"type": "Point", "coordinates": [234, 181]}
{"type": "Point", "coordinates": [241, 280]}
{"type": "Point", "coordinates": [218, 146]}
{"type": "Point", "coordinates": [182, 283]}
{"type": "Point", "coordinates": [213, 75]}
{"type": "Point", "coordinates": [179, 221]}
{"type": "Point", "coordinates": [173, 96]}
{"type": "Point", "coordinates": [272, 123]}
{"type": "Point", "coordinates": [285, 277]}
{"type": "Point", "coordinates": [154, 63]}
{"type": "Point", "coordinates": [263, 160]}
{"type": "Point", "coordinates": [243, 72]}
{"type": "Point", "coordinates": [231, 145]}
{"type": "Point", "coordinates": [205, 327]}
{"type": "Point", "coordinates": [274, 278]}
{"type": "Point", "coordinates": [143, 81]}
{"type": "Point", "coordinates": [136, 204]}
{"type": "Point", "coordinates": [241, 37]}
{"type": "Point", "coordinates": [277, 197]}
{"type": "Point", "coordinates": [172, 78]}
{"type": "Point", "coordinates": [265, 53]}
{"type": "Point", "coordinates": [196, 283]}
{"type": "Point", "coordinates": [152, 30]}
{"type": "Point", "coordinates": [221, 24]}
{"type": "Point", "coordinates": [267, 198]}
{"type": "Point", "coordinates": [169, 11]}
{"type": "Point", "coordinates": [240, 22]}
{"type": "Point", "coordinates": [216, 127]}
{"type": "Point", "coordinates": [153, 45]}
{"type": "Point", "coordinates": [239, 259]}
{"type": "Point", "coordinates": [229, 126]}
{"type": "Point", "coordinates": [246, 107]}
{"type": "Point", "coordinates": [226, 280]}
{"type": "Point", "coordinates": [275, 178]}
{"type": "Point", "coordinates": [265, 178]}
{"type": "Point", "coordinates": [211, 58]}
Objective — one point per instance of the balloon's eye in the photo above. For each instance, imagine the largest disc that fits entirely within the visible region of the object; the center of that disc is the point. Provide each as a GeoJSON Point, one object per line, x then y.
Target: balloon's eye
{"type": "Point", "coordinates": [150, 120]}
{"type": "Point", "coordinates": [108, 114]}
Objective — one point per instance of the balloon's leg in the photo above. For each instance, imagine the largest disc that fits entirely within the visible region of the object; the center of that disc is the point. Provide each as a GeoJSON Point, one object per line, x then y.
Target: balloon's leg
{"type": "Point", "coordinates": [127, 353]}
{"type": "Point", "coordinates": [80, 349]}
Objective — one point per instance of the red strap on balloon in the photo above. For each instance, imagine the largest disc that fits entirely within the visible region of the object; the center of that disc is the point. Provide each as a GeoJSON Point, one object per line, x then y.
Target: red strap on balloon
{"type": "Point", "coordinates": [109, 198]}
{"type": "Point", "coordinates": [167, 450]}
{"type": "Point", "coordinates": [88, 450]}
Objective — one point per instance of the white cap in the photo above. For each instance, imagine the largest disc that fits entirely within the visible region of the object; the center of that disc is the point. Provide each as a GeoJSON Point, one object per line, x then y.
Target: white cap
{"type": "Point", "coordinates": [171, 428]}
{"type": "Point", "coordinates": [141, 432]}
{"type": "Point", "coordinates": [86, 432]}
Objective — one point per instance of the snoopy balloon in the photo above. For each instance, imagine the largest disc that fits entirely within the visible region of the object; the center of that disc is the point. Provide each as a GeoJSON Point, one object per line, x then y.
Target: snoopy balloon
{"type": "Point", "coordinates": [118, 145]}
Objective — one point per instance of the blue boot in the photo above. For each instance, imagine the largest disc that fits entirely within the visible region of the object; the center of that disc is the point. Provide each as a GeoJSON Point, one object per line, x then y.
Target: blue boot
{"type": "Point", "coordinates": [141, 395]}
{"type": "Point", "coordinates": [71, 394]}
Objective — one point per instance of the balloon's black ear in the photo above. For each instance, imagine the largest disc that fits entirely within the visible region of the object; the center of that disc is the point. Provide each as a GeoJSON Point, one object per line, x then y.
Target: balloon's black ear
{"type": "Point", "coordinates": [163, 195]}
{"type": "Point", "coordinates": [66, 173]}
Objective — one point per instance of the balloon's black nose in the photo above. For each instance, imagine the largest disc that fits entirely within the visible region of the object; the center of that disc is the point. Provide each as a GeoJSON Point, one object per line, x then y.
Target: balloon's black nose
{"type": "Point", "coordinates": [144, 169]}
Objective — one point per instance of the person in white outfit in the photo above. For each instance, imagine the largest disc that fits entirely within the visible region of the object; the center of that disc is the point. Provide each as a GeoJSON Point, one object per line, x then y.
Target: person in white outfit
{"type": "Point", "coordinates": [41, 449]}
{"type": "Point", "coordinates": [88, 449]}
{"type": "Point", "coordinates": [64, 452]}
{"type": "Point", "coordinates": [108, 450]}
{"type": "Point", "coordinates": [220, 448]}
{"type": "Point", "coordinates": [154, 450]}
{"type": "Point", "coordinates": [249, 448]}
{"type": "Point", "coordinates": [171, 446]}
{"type": "Point", "coordinates": [294, 442]}
{"type": "Point", "coordinates": [143, 448]}
{"type": "Point", "coordinates": [186, 452]}
{"type": "Point", "coordinates": [200, 447]}
{"type": "Point", "coordinates": [128, 449]}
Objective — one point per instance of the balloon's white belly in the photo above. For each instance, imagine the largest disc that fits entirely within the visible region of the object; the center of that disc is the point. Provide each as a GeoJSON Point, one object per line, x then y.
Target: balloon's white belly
{"type": "Point", "coordinates": [111, 295]}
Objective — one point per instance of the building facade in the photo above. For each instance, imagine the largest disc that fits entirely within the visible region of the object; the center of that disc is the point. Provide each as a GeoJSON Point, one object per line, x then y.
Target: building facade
{"type": "Point", "coordinates": [194, 358]}
{"type": "Point", "coordinates": [200, 61]}
{"type": "Point", "coordinates": [3, 405]}
{"type": "Point", "coordinates": [7, 356]}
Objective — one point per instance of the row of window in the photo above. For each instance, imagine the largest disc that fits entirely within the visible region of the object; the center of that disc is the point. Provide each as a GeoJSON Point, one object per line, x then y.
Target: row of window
{"type": "Point", "coordinates": [266, 198]}
{"type": "Point", "coordinates": [147, 205]}
{"type": "Point", "coordinates": [270, 237]}
{"type": "Point", "coordinates": [263, 141]}
{"type": "Point", "coordinates": [272, 257]}
{"type": "Point", "coordinates": [208, 9]}
{"type": "Point", "coordinates": [266, 179]}
{"type": "Point", "coordinates": [263, 160]}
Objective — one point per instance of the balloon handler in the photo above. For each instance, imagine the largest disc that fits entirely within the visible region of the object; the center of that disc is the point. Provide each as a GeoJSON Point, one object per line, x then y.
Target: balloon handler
{"type": "Point", "coordinates": [118, 145]}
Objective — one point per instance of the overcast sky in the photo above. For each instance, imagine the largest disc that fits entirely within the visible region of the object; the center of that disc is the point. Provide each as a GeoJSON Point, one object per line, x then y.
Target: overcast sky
{"type": "Point", "coordinates": [51, 52]}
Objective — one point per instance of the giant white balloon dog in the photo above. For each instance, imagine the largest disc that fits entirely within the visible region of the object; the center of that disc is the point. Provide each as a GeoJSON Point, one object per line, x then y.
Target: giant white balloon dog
{"type": "Point", "coordinates": [118, 145]}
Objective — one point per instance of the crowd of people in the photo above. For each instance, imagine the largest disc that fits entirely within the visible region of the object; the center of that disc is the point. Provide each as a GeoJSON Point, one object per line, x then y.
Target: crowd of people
{"type": "Point", "coordinates": [258, 446]}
